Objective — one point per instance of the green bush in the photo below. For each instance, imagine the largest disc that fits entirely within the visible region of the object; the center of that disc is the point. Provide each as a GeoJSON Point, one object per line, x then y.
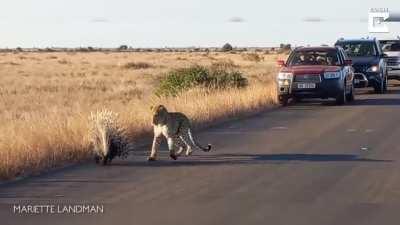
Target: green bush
{"type": "Point", "coordinates": [217, 76]}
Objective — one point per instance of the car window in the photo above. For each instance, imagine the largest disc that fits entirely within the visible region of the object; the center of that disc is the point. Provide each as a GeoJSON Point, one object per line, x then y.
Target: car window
{"type": "Point", "coordinates": [341, 56]}
{"type": "Point", "coordinates": [391, 47]}
{"type": "Point", "coordinates": [346, 57]}
{"type": "Point", "coordinates": [328, 58]}
{"type": "Point", "coordinates": [354, 49]}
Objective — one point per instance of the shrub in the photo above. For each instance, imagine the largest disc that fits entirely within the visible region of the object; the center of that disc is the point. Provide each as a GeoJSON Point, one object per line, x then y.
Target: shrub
{"type": "Point", "coordinates": [225, 64]}
{"type": "Point", "coordinates": [137, 65]}
{"type": "Point", "coordinates": [63, 61]}
{"type": "Point", "coordinates": [217, 76]}
{"type": "Point", "coordinates": [254, 57]}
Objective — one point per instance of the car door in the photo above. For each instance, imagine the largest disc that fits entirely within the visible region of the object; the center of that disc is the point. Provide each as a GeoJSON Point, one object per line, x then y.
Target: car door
{"type": "Point", "coordinates": [382, 59]}
{"type": "Point", "coordinates": [347, 69]}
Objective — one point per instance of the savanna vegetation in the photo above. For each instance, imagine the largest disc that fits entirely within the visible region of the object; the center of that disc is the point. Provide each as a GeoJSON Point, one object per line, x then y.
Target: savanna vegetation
{"type": "Point", "coordinates": [46, 98]}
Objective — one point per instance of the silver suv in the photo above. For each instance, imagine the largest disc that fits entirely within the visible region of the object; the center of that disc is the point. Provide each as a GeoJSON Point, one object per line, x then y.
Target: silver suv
{"type": "Point", "coordinates": [392, 49]}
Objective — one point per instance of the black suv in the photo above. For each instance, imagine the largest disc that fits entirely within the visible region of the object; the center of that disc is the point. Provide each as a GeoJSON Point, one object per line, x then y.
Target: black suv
{"type": "Point", "coordinates": [369, 62]}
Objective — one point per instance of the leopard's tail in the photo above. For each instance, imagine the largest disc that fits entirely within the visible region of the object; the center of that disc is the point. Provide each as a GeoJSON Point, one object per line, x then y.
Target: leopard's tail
{"type": "Point", "coordinates": [206, 149]}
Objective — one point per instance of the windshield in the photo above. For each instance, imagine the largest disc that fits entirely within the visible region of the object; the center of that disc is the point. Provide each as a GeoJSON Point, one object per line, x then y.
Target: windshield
{"type": "Point", "coordinates": [302, 58]}
{"type": "Point", "coordinates": [359, 49]}
{"type": "Point", "coordinates": [391, 46]}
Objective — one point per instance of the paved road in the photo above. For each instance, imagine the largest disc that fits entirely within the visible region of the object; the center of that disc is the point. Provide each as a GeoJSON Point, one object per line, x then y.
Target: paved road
{"type": "Point", "coordinates": [309, 163]}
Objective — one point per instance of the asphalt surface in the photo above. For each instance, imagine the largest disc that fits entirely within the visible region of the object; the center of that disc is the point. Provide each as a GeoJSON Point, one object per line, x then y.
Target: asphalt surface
{"type": "Point", "coordinates": [309, 163]}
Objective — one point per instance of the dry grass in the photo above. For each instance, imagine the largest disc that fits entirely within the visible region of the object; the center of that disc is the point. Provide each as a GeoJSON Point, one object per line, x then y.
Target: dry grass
{"type": "Point", "coordinates": [253, 57]}
{"type": "Point", "coordinates": [137, 65]}
{"type": "Point", "coordinates": [46, 99]}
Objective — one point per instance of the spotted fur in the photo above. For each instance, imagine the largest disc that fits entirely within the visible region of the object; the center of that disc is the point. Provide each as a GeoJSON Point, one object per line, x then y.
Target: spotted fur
{"type": "Point", "coordinates": [175, 127]}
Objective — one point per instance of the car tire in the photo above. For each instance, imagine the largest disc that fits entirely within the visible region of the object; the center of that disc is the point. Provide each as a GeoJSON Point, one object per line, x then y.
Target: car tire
{"type": "Point", "coordinates": [341, 97]}
{"type": "Point", "coordinates": [97, 159]}
{"type": "Point", "coordinates": [385, 84]}
{"type": "Point", "coordinates": [297, 99]}
{"type": "Point", "coordinates": [380, 88]}
{"type": "Point", "coordinates": [350, 96]}
{"type": "Point", "coordinates": [284, 101]}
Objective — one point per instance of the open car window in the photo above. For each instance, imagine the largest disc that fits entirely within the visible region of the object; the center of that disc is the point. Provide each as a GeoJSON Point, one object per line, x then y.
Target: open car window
{"type": "Point", "coordinates": [359, 49]}
{"type": "Point", "coordinates": [326, 58]}
{"type": "Point", "coordinates": [391, 47]}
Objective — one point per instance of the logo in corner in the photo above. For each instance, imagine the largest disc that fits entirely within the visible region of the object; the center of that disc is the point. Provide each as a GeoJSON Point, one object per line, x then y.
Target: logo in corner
{"type": "Point", "coordinates": [377, 20]}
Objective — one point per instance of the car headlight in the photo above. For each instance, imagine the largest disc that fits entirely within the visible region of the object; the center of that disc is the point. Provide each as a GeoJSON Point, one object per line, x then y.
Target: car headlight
{"type": "Point", "coordinates": [284, 82]}
{"type": "Point", "coordinates": [285, 76]}
{"type": "Point", "coordinates": [373, 69]}
{"type": "Point", "coordinates": [332, 75]}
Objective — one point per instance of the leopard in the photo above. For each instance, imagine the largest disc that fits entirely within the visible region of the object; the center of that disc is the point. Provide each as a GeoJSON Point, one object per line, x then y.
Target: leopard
{"type": "Point", "coordinates": [177, 129]}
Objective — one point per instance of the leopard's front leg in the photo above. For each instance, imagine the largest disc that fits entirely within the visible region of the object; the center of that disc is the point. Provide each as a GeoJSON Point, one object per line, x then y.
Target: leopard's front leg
{"type": "Point", "coordinates": [156, 145]}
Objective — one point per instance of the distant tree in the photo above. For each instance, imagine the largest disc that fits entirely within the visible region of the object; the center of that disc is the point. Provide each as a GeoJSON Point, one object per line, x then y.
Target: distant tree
{"type": "Point", "coordinates": [286, 47]}
{"type": "Point", "coordinates": [49, 49]}
{"type": "Point", "coordinates": [227, 47]}
{"type": "Point", "coordinates": [123, 47]}
{"type": "Point", "coordinates": [19, 49]}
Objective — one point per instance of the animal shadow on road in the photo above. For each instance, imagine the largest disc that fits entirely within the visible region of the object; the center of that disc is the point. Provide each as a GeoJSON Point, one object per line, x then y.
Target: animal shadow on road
{"type": "Point", "coordinates": [377, 102]}
{"type": "Point", "coordinates": [382, 101]}
{"type": "Point", "coordinates": [250, 159]}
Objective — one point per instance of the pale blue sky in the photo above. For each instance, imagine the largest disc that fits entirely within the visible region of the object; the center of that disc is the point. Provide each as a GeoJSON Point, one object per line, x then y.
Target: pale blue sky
{"type": "Point", "coordinates": [182, 23]}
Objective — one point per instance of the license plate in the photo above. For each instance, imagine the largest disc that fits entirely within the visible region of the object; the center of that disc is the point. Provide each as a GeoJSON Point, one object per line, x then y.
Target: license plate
{"type": "Point", "coordinates": [306, 85]}
{"type": "Point", "coordinates": [356, 81]}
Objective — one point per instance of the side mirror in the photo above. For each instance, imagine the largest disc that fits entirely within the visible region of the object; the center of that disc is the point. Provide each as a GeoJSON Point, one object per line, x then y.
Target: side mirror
{"type": "Point", "coordinates": [281, 63]}
{"type": "Point", "coordinates": [348, 62]}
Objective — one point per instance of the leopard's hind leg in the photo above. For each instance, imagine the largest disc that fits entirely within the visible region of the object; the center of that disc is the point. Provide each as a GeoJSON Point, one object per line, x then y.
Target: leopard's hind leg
{"type": "Point", "coordinates": [180, 145]}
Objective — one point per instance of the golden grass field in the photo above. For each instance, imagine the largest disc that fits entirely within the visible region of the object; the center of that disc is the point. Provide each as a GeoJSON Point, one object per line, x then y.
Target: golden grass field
{"type": "Point", "coordinates": [46, 99]}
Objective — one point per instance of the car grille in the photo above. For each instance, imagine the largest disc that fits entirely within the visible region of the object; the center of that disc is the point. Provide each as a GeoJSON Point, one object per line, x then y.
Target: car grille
{"type": "Point", "coordinates": [307, 78]}
{"type": "Point", "coordinates": [393, 61]}
{"type": "Point", "coordinates": [360, 68]}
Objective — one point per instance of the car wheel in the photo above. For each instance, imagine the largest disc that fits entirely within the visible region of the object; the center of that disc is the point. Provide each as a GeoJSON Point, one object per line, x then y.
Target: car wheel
{"type": "Point", "coordinates": [385, 85]}
{"type": "Point", "coordinates": [284, 101]}
{"type": "Point", "coordinates": [297, 99]}
{"type": "Point", "coordinates": [106, 160]}
{"type": "Point", "coordinates": [97, 159]}
{"type": "Point", "coordinates": [341, 98]}
{"type": "Point", "coordinates": [350, 96]}
{"type": "Point", "coordinates": [380, 88]}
